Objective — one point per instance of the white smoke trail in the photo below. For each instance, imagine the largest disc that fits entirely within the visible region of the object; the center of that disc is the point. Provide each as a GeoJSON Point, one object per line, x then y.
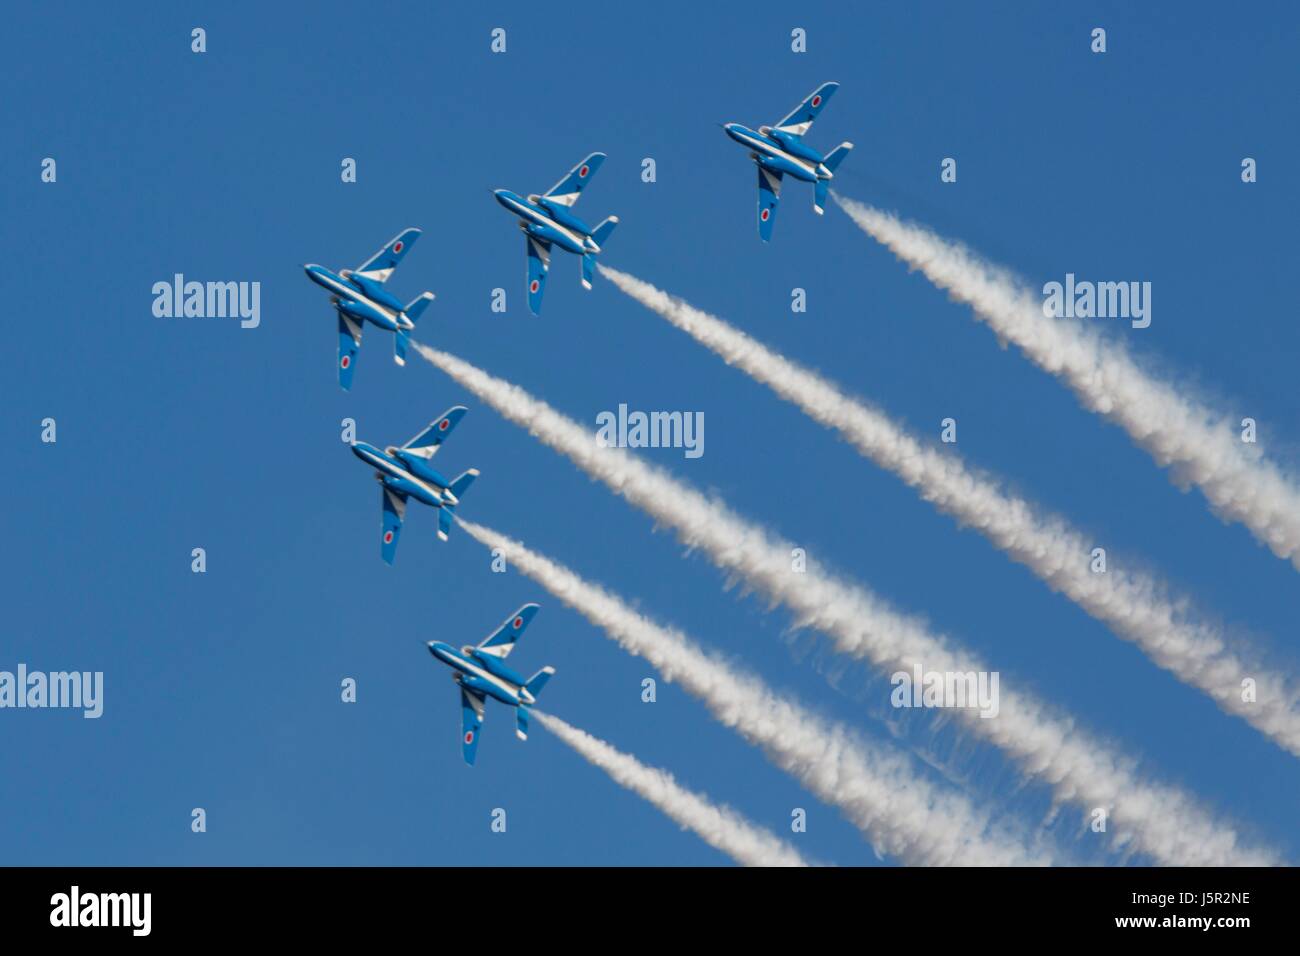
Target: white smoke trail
{"type": "Point", "coordinates": [900, 812]}
{"type": "Point", "coordinates": [719, 826]}
{"type": "Point", "coordinates": [1202, 446]}
{"type": "Point", "coordinates": [1132, 604]}
{"type": "Point", "coordinates": [1159, 820]}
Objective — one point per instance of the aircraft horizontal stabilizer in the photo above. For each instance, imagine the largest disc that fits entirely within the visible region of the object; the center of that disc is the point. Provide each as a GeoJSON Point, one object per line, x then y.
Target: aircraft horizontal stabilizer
{"type": "Point", "coordinates": [462, 483]}
{"type": "Point", "coordinates": [602, 232]}
{"type": "Point", "coordinates": [538, 680]}
{"type": "Point", "coordinates": [836, 156]}
{"type": "Point", "coordinates": [417, 306]}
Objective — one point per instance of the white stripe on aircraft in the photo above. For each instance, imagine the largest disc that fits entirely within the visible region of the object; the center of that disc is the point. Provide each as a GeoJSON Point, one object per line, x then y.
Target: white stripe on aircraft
{"type": "Point", "coordinates": [356, 296]}
{"type": "Point", "coordinates": [475, 671]}
{"type": "Point", "coordinates": [766, 147]}
{"type": "Point", "coordinates": [530, 212]}
{"type": "Point", "coordinates": [384, 464]}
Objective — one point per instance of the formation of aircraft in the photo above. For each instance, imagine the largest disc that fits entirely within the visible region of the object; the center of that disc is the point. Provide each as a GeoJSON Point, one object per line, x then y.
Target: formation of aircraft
{"type": "Point", "coordinates": [359, 296]}
{"type": "Point", "coordinates": [779, 151]}
{"type": "Point", "coordinates": [548, 220]}
{"type": "Point", "coordinates": [406, 473]}
{"type": "Point", "coordinates": [481, 672]}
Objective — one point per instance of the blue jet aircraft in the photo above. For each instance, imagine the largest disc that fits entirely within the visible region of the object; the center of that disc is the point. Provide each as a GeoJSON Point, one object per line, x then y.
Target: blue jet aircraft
{"type": "Point", "coordinates": [481, 673]}
{"type": "Point", "coordinates": [406, 473]}
{"type": "Point", "coordinates": [780, 149]}
{"type": "Point", "coordinates": [359, 296]}
{"type": "Point", "coordinates": [547, 221]}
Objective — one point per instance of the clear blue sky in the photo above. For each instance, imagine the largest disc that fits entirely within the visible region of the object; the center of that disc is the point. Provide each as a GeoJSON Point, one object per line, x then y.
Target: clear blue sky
{"type": "Point", "coordinates": [223, 688]}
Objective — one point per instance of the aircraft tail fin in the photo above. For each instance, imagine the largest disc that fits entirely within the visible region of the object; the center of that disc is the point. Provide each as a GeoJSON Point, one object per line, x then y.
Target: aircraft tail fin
{"type": "Point", "coordinates": [538, 680]}
{"type": "Point", "coordinates": [836, 156]}
{"type": "Point", "coordinates": [521, 723]}
{"type": "Point", "coordinates": [831, 162]}
{"type": "Point", "coordinates": [413, 311]}
{"type": "Point", "coordinates": [599, 235]}
{"type": "Point", "coordinates": [417, 306]}
{"type": "Point", "coordinates": [447, 511]}
{"type": "Point", "coordinates": [602, 232]}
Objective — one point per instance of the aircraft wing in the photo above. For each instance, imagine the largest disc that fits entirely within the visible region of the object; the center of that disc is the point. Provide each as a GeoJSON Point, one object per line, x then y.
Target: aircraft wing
{"type": "Point", "coordinates": [539, 260]}
{"type": "Point", "coordinates": [568, 189]}
{"type": "Point", "coordinates": [502, 641]}
{"type": "Point", "coordinates": [427, 443]}
{"type": "Point", "coordinates": [381, 265]}
{"type": "Point", "coordinates": [801, 117]}
{"type": "Point", "coordinates": [394, 512]}
{"type": "Point", "coordinates": [471, 719]}
{"type": "Point", "coordinates": [349, 344]}
{"type": "Point", "coordinates": [769, 191]}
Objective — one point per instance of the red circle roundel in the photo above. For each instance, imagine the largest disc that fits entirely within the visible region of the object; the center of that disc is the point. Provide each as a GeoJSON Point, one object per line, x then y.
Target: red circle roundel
{"type": "Point", "coordinates": [816, 102]}
{"type": "Point", "coordinates": [533, 286]}
{"type": "Point", "coordinates": [469, 736]}
{"type": "Point", "coordinates": [398, 246]}
{"type": "Point", "coordinates": [765, 215]}
{"type": "Point", "coordinates": [442, 425]}
{"type": "Point", "coordinates": [582, 173]}
{"type": "Point", "coordinates": [345, 361]}
{"type": "Point", "coordinates": [388, 537]}
{"type": "Point", "coordinates": [519, 622]}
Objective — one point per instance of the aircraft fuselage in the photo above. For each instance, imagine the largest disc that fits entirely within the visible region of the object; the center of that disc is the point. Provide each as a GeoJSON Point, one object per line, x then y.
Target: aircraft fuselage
{"type": "Point", "coordinates": [406, 473]}
{"type": "Point", "coordinates": [550, 222]}
{"type": "Point", "coordinates": [362, 299]}
{"type": "Point", "coordinates": [781, 152]}
{"type": "Point", "coordinates": [483, 673]}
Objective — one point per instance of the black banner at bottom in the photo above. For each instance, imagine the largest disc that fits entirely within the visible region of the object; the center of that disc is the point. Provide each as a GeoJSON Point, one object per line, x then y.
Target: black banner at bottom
{"type": "Point", "coordinates": [90, 905]}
